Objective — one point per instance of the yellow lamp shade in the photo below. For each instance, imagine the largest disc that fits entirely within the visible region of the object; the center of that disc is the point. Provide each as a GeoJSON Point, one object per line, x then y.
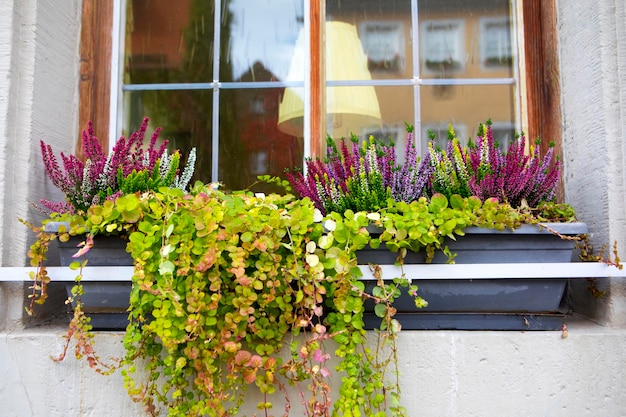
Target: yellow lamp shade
{"type": "Point", "coordinates": [349, 109]}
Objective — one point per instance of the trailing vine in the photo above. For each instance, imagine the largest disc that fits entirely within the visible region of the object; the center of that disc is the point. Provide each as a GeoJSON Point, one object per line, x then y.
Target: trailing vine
{"type": "Point", "coordinates": [239, 292]}
{"type": "Point", "coordinates": [234, 291]}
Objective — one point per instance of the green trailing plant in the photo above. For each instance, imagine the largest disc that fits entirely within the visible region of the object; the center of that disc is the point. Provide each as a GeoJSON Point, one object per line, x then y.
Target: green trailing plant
{"type": "Point", "coordinates": [234, 293]}
{"type": "Point", "coordinates": [239, 292]}
{"type": "Point", "coordinates": [80, 330]}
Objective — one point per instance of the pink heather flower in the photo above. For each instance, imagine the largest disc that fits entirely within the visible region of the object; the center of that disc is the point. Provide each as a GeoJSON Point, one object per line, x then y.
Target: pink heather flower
{"type": "Point", "coordinates": [57, 207]}
{"type": "Point", "coordinates": [511, 176]}
{"type": "Point", "coordinates": [320, 357]}
{"type": "Point", "coordinates": [361, 176]}
{"type": "Point", "coordinates": [96, 179]}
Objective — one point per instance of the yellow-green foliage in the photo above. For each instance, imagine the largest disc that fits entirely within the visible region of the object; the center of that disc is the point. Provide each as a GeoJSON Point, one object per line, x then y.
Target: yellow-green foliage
{"type": "Point", "coordinates": [223, 282]}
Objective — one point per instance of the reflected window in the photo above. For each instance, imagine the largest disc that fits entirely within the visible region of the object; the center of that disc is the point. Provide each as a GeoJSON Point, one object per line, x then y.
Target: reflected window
{"type": "Point", "coordinates": [383, 43]}
{"type": "Point", "coordinates": [503, 134]}
{"type": "Point", "coordinates": [443, 45]}
{"type": "Point", "coordinates": [495, 42]}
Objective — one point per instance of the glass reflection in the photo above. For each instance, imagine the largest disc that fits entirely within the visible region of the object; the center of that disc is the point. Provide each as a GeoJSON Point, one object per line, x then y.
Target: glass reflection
{"type": "Point", "coordinates": [173, 42]}
{"type": "Point", "coordinates": [261, 35]}
{"type": "Point", "coordinates": [184, 117]}
{"type": "Point", "coordinates": [384, 28]}
{"type": "Point", "coordinates": [472, 105]}
{"type": "Point", "coordinates": [251, 144]}
{"type": "Point", "coordinates": [461, 39]}
{"type": "Point", "coordinates": [395, 109]}
{"type": "Point", "coordinates": [169, 42]}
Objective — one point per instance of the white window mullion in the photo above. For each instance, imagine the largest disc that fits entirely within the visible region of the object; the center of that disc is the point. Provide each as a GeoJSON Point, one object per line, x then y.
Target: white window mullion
{"type": "Point", "coordinates": [215, 142]}
{"type": "Point", "coordinates": [307, 80]}
{"type": "Point", "coordinates": [417, 85]}
{"type": "Point", "coordinates": [116, 98]}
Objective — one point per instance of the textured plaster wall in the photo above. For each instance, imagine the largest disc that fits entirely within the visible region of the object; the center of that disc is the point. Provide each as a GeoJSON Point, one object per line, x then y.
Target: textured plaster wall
{"type": "Point", "coordinates": [6, 47]}
{"type": "Point", "coordinates": [592, 42]}
{"type": "Point", "coordinates": [39, 42]}
{"type": "Point", "coordinates": [443, 374]}
{"type": "Point", "coordinates": [17, 63]}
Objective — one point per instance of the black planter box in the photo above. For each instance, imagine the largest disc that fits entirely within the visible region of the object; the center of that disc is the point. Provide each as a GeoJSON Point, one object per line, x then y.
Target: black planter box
{"type": "Point", "coordinates": [487, 304]}
{"type": "Point", "coordinates": [105, 302]}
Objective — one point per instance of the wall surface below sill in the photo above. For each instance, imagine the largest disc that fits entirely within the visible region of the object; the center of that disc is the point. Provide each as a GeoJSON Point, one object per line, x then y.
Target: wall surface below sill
{"type": "Point", "coordinates": [443, 373]}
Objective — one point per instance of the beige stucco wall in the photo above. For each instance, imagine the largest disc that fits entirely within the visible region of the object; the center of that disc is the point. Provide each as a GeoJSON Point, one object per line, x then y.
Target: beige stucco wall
{"type": "Point", "coordinates": [444, 373]}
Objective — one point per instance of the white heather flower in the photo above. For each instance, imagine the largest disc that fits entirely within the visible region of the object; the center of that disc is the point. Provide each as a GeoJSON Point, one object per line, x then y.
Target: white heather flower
{"type": "Point", "coordinates": [183, 179]}
{"type": "Point", "coordinates": [86, 185]}
{"type": "Point", "coordinates": [166, 160]}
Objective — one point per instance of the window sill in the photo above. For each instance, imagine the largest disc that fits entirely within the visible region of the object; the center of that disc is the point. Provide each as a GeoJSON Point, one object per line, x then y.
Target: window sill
{"type": "Point", "coordinates": [423, 271]}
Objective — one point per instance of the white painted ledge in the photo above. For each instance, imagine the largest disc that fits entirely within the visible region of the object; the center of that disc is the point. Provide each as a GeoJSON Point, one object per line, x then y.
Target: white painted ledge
{"type": "Point", "coordinates": [64, 273]}
{"type": "Point", "coordinates": [498, 270]}
{"type": "Point", "coordinates": [421, 271]}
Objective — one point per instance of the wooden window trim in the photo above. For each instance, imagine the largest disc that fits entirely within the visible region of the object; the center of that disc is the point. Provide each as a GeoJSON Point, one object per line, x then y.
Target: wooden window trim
{"type": "Point", "coordinates": [317, 80]}
{"type": "Point", "coordinates": [95, 69]}
{"type": "Point", "coordinates": [540, 54]}
{"type": "Point", "coordinates": [543, 76]}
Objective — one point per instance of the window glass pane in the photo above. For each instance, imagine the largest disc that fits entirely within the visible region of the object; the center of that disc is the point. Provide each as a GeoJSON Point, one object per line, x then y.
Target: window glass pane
{"type": "Point", "coordinates": [184, 117]}
{"type": "Point", "coordinates": [465, 39]}
{"type": "Point", "coordinates": [465, 107]}
{"type": "Point", "coordinates": [169, 42]}
{"type": "Point", "coordinates": [368, 41]}
{"type": "Point", "coordinates": [261, 37]}
{"type": "Point", "coordinates": [372, 85]}
{"type": "Point", "coordinates": [384, 31]}
{"type": "Point", "coordinates": [250, 142]}
{"type": "Point", "coordinates": [397, 109]}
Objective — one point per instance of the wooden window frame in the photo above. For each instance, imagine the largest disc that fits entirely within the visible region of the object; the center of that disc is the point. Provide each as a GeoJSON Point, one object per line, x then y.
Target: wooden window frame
{"type": "Point", "coordinates": [543, 87]}
{"type": "Point", "coordinates": [540, 56]}
{"type": "Point", "coordinates": [94, 86]}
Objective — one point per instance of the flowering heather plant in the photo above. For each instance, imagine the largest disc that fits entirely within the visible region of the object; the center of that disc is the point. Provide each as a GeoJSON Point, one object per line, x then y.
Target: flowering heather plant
{"type": "Point", "coordinates": [449, 168]}
{"type": "Point", "coordinates": [131, 167]}
{"type": "Point", "coordinates": [483, 170]}
{"type": "Point", "coordinates": [362, 177]}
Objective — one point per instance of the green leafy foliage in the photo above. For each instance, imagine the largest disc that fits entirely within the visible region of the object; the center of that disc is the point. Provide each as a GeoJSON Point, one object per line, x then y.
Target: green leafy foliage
{"type": "Point", "coordinates": [241, 291]}
{"type": "Point", "coordinates": [234, 292]}
{"type": "Point", "coordinates": [163, 175]}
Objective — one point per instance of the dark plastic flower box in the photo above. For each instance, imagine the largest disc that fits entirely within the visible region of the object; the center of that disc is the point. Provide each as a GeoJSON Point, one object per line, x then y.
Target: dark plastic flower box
{"type": "Point", "coordinates": [532, 303]}
{"type": "Point", "coordinates": [105, 302]}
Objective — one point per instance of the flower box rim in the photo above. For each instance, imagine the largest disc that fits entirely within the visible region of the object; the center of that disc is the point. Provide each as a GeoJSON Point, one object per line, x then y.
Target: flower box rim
{"type": "Point", "coordinates": [563, 228]}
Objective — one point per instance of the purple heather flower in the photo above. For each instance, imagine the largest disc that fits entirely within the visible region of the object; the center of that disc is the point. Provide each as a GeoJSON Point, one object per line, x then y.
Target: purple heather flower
{"type": "Point", "coordinates": [90, 182]}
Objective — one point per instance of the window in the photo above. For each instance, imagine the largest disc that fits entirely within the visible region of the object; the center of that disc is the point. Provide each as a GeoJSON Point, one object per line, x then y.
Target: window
{"type": "Point", "coordinates": [443, 46]}
{"type": "Point", "coordinates": [219, 88]}
{"type": "Point", "coordinates": [503, 133]}
{"type": "Point", "coordinates": [383, 44]}
{"type": "Point", "coordinates": [496, 49]}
